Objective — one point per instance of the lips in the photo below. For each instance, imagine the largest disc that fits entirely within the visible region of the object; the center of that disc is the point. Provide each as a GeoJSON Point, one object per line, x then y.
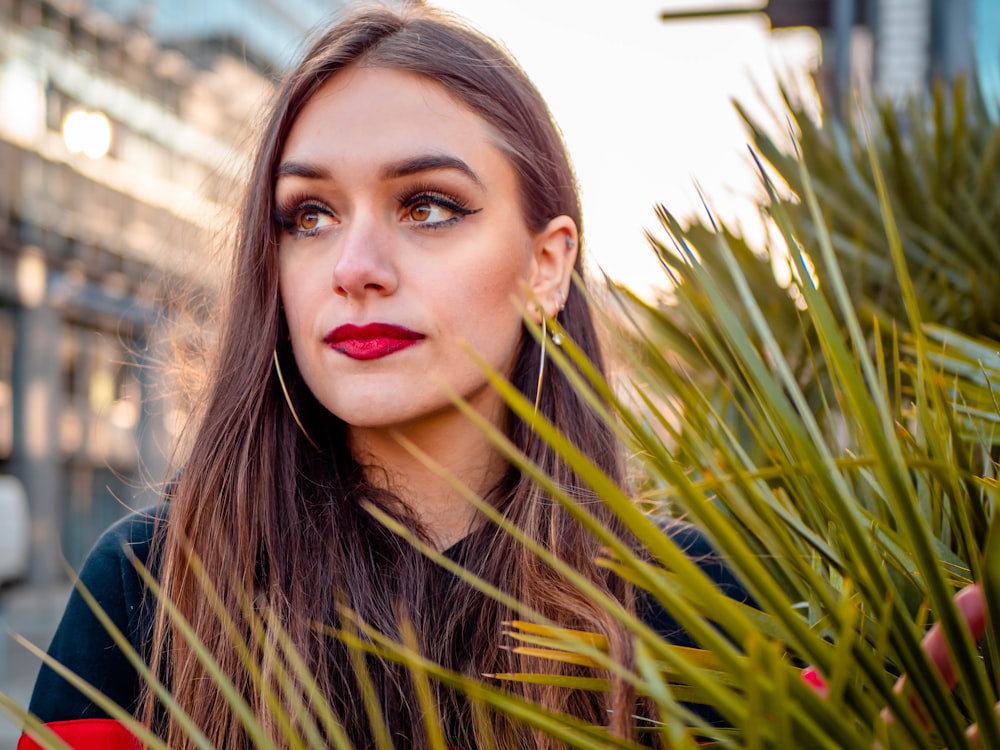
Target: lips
{"type": "Point", "coordinates": [371, 341]}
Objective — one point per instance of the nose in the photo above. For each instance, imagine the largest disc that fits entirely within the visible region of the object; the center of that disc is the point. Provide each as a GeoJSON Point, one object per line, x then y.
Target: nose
{"type": "Point", "coordinates": [364, 264]}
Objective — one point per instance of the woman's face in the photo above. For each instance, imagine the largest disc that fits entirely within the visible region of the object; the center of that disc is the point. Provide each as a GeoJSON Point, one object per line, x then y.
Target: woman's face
{"type": "Point", "coordinates": [402, 242]}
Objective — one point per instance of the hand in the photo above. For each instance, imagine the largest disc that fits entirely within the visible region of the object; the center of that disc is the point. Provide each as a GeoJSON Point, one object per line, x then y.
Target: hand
{"type": "Point", "coordinates": [972, 607]}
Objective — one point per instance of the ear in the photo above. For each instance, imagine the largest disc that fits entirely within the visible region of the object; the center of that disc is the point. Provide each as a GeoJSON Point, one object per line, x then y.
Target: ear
{"type": "Point", "coordinates": [555, 251]}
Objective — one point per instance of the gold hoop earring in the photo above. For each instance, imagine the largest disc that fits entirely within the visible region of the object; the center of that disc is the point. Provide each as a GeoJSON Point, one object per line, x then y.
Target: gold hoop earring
{"type": "Point", "coordinates": [557, 339]}
{"type": "Point", "coordinates": [538, 388]}
{"type": "Point", "coordinates": [288, 400]}
{"type": "Point", "coordinates": [541, 372]}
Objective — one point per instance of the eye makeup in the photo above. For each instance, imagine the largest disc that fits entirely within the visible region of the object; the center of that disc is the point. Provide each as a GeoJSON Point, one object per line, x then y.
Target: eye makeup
{"type": "Point", "coordinates": [415, 196]}
{"type": "Point", "coordinates": [288, 215]}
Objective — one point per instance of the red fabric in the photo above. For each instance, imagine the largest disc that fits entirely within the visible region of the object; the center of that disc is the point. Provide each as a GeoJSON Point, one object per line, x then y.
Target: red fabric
{"type": "Point", "coordinates": [87, 734]}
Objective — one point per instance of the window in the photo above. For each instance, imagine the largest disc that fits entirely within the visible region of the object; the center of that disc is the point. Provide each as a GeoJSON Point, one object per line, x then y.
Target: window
{"type": "Point", "coordinates": [98, 434]}
{"type": "Point", "coordinates": [987, 38]}
{"type": "Point", "coordinates": [7, 334]}
{"type": "Point", "coordinates": [102, 398]}
{"type": "Point", "coordinates": [95, 498]}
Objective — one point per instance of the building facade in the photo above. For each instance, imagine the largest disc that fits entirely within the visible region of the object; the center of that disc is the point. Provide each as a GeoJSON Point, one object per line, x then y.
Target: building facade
{"type": "Point", "coordinates": [122, 145]}
{"type": "Point", "coordinates": [898, 47]}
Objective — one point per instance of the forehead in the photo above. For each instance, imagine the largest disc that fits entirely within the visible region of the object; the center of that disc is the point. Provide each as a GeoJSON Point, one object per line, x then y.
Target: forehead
{"type": "Point", "coordinates": [385, 113]}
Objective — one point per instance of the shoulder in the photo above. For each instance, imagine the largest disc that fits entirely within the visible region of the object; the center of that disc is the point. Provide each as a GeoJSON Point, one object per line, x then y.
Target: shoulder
{"type": "Point", "coordinates": [111, 570]}
{"type": "Point", "coordinates": [81, 642]}
{"type": "Point", "coordinates": [699, 549]}
{"type": "Point", "coordinates": [128, 539]}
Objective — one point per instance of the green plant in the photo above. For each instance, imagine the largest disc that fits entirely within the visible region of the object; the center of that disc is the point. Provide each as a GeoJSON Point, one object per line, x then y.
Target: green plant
{"type": "Point", "coordinates": [940, 155]}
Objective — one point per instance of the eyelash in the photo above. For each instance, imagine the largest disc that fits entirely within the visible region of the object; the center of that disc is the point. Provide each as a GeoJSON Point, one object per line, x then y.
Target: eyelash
{"type": "Point", "coordinates": [286, 215]}
{"type": "Point", "coordinates": [435, 197]}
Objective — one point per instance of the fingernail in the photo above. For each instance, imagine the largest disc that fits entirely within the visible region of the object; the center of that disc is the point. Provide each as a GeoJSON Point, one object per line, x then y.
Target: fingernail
{"type": "Point", "coordinates": [814, 679]}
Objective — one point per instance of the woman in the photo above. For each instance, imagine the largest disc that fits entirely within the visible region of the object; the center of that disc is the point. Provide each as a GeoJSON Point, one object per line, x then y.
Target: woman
{"type": "Point", "coordinates": [410, 202]}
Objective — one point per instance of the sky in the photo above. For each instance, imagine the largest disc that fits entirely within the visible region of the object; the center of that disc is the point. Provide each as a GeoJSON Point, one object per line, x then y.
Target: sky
{"type": "Point", "coordinates": [645, 108]}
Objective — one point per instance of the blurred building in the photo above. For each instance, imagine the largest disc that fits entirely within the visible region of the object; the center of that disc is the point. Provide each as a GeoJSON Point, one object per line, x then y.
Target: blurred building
{"type": "Point", "coordinates": [122, 140]}
{"type": "Point", "coordinates": [894, 47]}
{"type": "Point", "coordinates": [265, 33]}
{"type": "Point", "coordinates": [898, 47]}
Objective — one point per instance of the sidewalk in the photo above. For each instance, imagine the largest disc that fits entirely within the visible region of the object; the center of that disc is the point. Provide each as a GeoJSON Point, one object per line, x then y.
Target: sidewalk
{"type": "Point", "coordinates": [34, 614]}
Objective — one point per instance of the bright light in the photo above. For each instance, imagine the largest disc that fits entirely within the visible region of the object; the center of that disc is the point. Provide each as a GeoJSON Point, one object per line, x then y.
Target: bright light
{"type": "Point", "coordinates": [87, 133]}
{"type": "Point", "coordinates": [22, 103]}
{"type": "Point", "coordinates": [31, 279]}
{"type": "Point", "coordinates": [124, 414]}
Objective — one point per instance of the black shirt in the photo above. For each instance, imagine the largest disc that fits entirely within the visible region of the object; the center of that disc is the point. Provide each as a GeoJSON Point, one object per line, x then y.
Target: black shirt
{"type": "Point", "coordinates": [84, 645]}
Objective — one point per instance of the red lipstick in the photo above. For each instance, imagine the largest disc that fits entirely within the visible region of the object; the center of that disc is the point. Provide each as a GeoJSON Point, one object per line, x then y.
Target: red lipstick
{"type": "Point", "coordinates": [371, 341]}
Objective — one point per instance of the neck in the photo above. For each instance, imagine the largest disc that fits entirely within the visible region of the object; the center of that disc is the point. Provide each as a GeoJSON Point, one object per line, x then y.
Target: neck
{"type": "Point", "coordinates": [457, 446]}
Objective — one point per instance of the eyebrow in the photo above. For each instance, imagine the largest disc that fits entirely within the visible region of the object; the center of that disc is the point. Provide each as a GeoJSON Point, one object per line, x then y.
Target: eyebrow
{"type": "Point", "coordinates": [428, 163]}
{"type": "Point", "coordinates": [404, 168]}
{"type": "Point", "coordinates": [301, 169]}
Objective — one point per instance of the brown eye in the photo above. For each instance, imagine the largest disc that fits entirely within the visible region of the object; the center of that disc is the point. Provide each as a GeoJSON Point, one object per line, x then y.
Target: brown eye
{"type": "Point", "coordinates": [420, 212]}
{"type": "Point", "coordinates": [309, 220]}
{"type": "Point", "coordinates": [427, 210]}
{"type": "Point", "coordinates": [304, 219]}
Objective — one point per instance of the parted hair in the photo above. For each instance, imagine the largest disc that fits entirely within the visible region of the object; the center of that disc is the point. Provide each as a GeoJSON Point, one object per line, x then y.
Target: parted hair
{"type": "Point", "coordinates": [281, 529]}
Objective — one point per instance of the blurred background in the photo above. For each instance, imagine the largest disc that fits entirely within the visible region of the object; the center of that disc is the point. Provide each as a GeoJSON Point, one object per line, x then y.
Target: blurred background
{"type": "Point", "coordinates": [125, 127]}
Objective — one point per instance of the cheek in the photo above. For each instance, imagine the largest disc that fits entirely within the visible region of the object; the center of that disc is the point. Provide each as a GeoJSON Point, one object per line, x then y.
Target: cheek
{"type": "Point", "coordinates": [295, 296]}
{"type": "Point", "coordinates": [502, 278]}
{"type": "Point", "coordinates": [489, 310]}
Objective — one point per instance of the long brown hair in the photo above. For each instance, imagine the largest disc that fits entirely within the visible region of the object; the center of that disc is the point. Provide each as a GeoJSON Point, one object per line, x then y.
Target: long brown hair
{"type": "Point", "coordinates": [279, 524]}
